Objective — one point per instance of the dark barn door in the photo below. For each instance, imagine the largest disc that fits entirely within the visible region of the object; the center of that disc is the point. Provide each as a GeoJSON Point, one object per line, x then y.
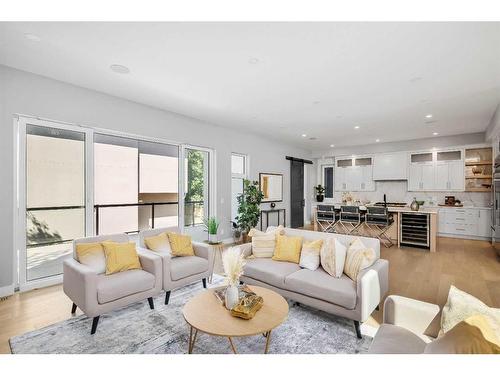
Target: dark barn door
{"type": "Point", "coordinates": [297, 202]}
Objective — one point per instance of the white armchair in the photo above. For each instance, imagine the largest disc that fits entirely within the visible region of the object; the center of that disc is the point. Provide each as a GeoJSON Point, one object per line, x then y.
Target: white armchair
{"type": "Point", "coordinates": [95, 293]}
{"type": "Point", "coordinates": [180, 271]}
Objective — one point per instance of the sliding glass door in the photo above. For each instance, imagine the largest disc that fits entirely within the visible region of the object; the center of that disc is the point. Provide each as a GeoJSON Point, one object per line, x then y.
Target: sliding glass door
{"type": "Point", "coordinates": [74, 181]}
{"type": "Point", "coordinates": [52, 183]}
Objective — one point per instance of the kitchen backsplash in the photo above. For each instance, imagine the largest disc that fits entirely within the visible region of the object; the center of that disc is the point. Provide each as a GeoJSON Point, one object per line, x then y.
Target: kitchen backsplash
{"type": "Point", "coordinates": [397, 191]}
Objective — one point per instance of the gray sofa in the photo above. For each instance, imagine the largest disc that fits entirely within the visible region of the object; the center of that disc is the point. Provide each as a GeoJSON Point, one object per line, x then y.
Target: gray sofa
{"type": "Point", "coordinates": [342, 296]}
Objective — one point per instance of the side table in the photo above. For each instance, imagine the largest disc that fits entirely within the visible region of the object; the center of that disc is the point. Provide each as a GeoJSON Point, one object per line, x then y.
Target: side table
{"type": "Point", "coordinates": [217, 248]}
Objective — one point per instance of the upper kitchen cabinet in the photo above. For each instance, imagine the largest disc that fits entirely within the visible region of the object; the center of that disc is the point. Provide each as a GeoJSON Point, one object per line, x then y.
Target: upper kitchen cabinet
{"type": "Point", "coordinates": [390, 166]}
{"type": "Point", "coordinates": [354, 174]}
{"type": "Point", "coordinates": [436, 171]}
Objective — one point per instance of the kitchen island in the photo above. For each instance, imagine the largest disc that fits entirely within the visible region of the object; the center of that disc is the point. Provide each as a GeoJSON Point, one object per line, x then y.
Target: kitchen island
{"type": "Point", "coordinates": [394, 231]}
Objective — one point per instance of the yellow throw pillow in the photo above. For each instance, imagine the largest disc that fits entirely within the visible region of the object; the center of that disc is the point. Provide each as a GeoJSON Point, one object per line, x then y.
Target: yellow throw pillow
{"type": "Point", "coordinates": [120, 256]}
{"type": "Point", "coordinates": [287, 249]}
{"type": "Point", "coordinates": [474, 335]}
{"type": "Point", "coordinates": [91, 255]}
{"type": "Point", "coordinates": [358, 258]}
{"type": "Point", "coordinates": [180, 244]}
{"type": "Point", "coordinates": [309, 255]}
{"type": "Point", "coordinates": [159, 243]}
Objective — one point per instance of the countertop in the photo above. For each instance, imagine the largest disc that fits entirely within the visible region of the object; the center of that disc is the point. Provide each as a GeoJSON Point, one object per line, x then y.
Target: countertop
{"type": "Point", "coordinates": [425, 208]}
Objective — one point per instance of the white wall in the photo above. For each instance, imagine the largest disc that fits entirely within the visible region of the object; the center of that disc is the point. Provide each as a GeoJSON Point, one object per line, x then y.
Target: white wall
{"type": "Point", "coordinates": [30, 94]}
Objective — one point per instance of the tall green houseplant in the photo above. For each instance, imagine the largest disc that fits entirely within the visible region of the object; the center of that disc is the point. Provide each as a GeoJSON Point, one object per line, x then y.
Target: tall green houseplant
{"type": "Point", "coordinates": [249, 205]}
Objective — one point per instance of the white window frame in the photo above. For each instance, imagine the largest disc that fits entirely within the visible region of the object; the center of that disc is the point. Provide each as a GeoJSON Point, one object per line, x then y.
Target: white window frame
{"type": "Point", "coordinates": [241, 176]}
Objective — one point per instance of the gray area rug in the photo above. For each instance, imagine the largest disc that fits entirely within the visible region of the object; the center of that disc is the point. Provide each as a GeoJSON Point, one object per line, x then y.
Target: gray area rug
{"type": "Point", "coordinates": [137, 329]}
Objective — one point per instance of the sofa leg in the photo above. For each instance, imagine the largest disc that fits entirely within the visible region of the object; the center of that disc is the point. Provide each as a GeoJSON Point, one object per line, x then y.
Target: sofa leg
{"type": "Point", "coordinates": [358, 330]}
{"type": "Point", "coordinates": [204, 281]}
{"type": "Point", "coordinates": [73, 309]}
{"type": "Point", "coordinates": [167, 297]}
{"type": "Point", "coordinates": [95, 322]}
{"type": "Point", "coordinates": [151, 303]}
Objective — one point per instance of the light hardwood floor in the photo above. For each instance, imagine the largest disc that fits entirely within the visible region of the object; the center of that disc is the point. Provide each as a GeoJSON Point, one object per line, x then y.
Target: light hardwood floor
{"type": "Point", "coordinates": [469, 265]}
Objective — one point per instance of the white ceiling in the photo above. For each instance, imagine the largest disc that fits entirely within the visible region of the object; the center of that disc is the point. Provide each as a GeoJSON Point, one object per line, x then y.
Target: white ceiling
{"type": "Point", "coordinates": [321, 79]}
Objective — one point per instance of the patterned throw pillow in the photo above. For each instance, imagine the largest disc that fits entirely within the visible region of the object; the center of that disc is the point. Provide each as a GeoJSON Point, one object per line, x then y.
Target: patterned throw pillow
{"type": "Point", "coordinates": [309, 256]}
{"type": "Point", "coordinates": [461, 305]}
{"type": "Point", "coordinates": [288, 249]}
{"type": "Point", "coordinates": [92, 255]}
{"type": "Point", "coordinates": [264, 243]}
{"type": "Point", "coordinates": [333, 257]}
{"type": "Point", "coordinates": [358, 258]}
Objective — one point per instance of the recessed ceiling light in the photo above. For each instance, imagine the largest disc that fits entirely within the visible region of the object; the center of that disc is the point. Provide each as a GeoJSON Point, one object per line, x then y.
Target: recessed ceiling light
{"type": "Point", "coordinates": [332, 146]}
{"type": "Point", "coordinates": [377, 140]}
{"type": "Point", "coordinates": [356, 127]}
{"type": "Point", "coordinates": [253, 60]}
{"type": "Point", "coordinates": [32, 37]}
{"type": "Point", "coordinates": [304, 135]}
{"type": "Point", "coordinates": [428, 116]}
{"type": "Point", "coordinates": [435, 133]}
{"type": "Point", "coordinates": [122, 69]}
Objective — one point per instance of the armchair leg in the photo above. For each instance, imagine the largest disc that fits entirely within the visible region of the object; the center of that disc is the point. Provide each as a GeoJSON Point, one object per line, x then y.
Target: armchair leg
{"type": "Point", "coordinates": [73, 309]}
{"type": "Point", "coordinates": [358, 330]}
{"type": "Point", "coordinates": [167, 297]}
{"type": "Point", "coordinates": [204, 281]}
{"type": "Point", "coordinates": [151, 303]}
{"type": "Point", "coordinates": [95, 322]}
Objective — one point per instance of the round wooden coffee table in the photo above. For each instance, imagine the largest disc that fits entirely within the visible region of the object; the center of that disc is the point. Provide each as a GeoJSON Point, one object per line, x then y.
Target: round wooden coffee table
{"type": "Point", "coordinates": [206, 314]}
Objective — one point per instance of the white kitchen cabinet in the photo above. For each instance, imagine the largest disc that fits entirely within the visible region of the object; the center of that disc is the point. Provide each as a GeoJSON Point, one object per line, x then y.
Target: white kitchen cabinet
{"type": "Point", "coordinates": [390, 166]}
{"type": "Point", "coordinates": [465, 222]}
{"type": "Point", "coordinates": [422, 177]}
{"type": "Point", "coordinates": [436, 171]}
{"type": "Point", "coordinates": [354, 174]}
{"type": "Point", "coordinates": [484, 223]}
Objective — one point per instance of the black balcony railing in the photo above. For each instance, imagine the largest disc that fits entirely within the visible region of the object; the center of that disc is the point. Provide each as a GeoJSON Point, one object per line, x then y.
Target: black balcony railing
{"type": "Point", "coordinates": [193, 215]}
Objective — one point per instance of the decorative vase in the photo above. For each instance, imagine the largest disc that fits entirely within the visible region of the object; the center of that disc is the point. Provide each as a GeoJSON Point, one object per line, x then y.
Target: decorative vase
{"type": "Point", "coordinates": [414, 205]}
{"type": "Point", "coordinates": [320, 198]}
{"type": "Point", "coordinates": [212, 238]}
{"type": "Point", "coordinates": [231, 297]}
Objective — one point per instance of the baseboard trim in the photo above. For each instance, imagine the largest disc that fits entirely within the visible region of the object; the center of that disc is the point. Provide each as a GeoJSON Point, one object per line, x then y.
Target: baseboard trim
{"type": "Point", "coordinates": [6, 291]}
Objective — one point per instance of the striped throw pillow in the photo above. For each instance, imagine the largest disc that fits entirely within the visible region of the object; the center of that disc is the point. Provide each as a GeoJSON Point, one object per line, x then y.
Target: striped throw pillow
{"type": "Point", "coordinates": [264, 243]}
{"type": "Point", "coordinates": [358, 258]}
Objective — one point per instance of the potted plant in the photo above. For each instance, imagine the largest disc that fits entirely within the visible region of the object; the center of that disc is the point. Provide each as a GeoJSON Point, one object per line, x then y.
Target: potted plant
{"type": "Point", "coordinates": [236, 232]}
{"type": "Point", "coordinates": [212, 226]}
{"type": "Point", "coordinates": [249, 207]}
{"type": "Point", "coordinates": [320, 193]}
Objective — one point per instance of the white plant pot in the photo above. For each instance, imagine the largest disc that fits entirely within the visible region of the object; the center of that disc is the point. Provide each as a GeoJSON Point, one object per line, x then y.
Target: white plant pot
{"type": "Point", "coordinates": [232, 296]}
{"type": "Point", "coordinates": [212, 238]}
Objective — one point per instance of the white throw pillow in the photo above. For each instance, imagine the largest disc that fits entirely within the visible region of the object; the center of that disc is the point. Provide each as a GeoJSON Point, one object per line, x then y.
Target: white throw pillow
{"type": "Point", "coordinates": [358, 258]}
{"type": "Point", "coordinates": [309, 255]}
{"type": "Point", "coordinates": [461, 306]}
{"type": "Point", "coordinates": [333, 255]}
